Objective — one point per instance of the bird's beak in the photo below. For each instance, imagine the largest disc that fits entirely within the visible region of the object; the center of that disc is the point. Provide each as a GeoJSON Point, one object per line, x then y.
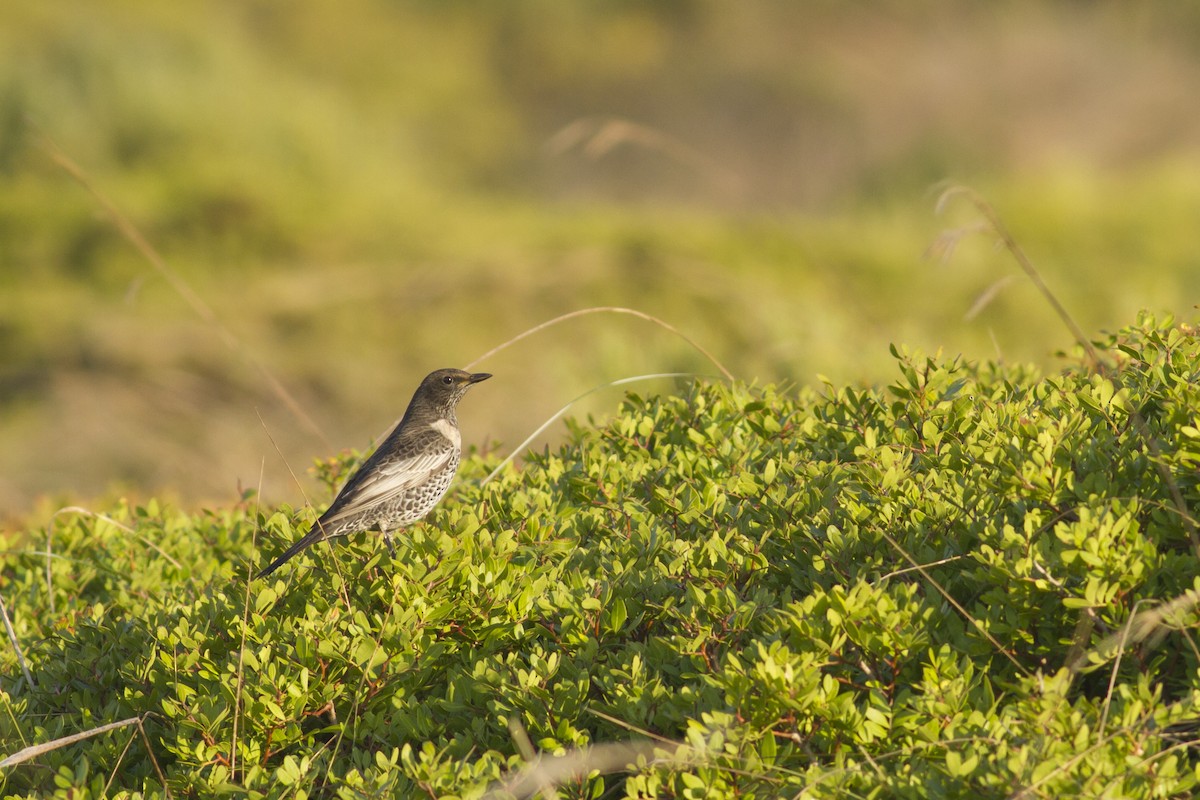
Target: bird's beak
{"type": "Point", "coordinates": [479, 376]}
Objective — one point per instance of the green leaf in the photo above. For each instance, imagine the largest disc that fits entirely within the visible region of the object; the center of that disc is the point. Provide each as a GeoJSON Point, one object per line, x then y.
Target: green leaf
{"type": "Point", "coordinates": [617, 615]}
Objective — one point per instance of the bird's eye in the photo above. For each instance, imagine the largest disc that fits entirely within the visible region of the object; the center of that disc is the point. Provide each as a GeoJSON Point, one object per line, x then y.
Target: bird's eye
{"type": "Point", "coordinates": [449, 379]}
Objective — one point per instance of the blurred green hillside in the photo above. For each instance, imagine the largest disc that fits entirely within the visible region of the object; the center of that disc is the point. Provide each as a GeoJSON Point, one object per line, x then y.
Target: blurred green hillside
{"type": "Point", "coordinates": [368, 190]}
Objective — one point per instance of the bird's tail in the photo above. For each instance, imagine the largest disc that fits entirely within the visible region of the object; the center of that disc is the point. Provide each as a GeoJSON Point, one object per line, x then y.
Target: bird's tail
{"type": "Point", "coordinates": [312, 537]}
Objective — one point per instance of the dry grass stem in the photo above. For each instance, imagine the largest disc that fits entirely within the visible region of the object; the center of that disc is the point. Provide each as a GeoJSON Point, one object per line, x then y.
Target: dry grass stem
{"type": "Point", "coordinates": [525, 747]}
{"type": "Point", "coordinates": [620, 382]}
{"type": "Point", "coordinates": [1116, 667]}
{"type": "Point", "coordinates": [986, 297]}
{"type": "Point", "coordinates": [1012, 246]}
{"type": "Point", "coordinates": [112, 775]}
{"type": "Point", "coordinates": [604, 310]}
{"type": "Point", "coordinates": [576, 764]}
{"type": "Point", "coordinates": [282, 458]}
{"type": "Point", "coordinates": [154, 761]}
{"type": "Point", "coordinates": [131, 233]}
{"type": "Point", "coordinates": [957, 606]}
{"type": "Point", "coordinates": [1140, 627]}
{"type": "Point", "coordinates": [33, 751]}
{"type": "Point", "coordinates": [241, 674]}
{"type": "Point", "coordinates": [1069, 764]}
{"type": "Point", "coordinates": [87, 513]}
{"type": "Point", "coordinates": [361, 694]}
{"type": "Point", "coordinates": [598, 136]}
{"type": "Point", "coordinates": [906, 570]}
{"type": "Point", "coordinates": [12, 637]}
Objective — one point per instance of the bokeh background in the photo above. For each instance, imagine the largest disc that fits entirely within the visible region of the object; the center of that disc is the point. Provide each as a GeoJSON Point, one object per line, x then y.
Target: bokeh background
{"type": "Point", "coordinates": [366, 190]}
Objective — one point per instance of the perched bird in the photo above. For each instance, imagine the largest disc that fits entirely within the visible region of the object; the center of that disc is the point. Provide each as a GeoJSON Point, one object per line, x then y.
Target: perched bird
{"type": "Point", "coordinates": [407, 475]}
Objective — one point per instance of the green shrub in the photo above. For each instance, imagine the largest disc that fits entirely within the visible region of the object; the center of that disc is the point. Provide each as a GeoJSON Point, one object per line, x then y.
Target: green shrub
{"type": "Point", "coordinates": [854, 593]}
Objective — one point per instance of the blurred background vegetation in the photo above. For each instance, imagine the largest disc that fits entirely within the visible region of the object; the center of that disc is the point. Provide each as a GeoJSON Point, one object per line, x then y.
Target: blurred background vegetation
{"type": "Point", "coordinates": [367, 190]}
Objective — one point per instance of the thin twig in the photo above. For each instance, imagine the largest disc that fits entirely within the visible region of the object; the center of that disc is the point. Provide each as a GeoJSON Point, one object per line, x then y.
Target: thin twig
{"type": "Point", "coordinates": [112, 776]}
{"type": "Point", "coordinates": [898, 572]}
{"type": "Point", "coordinates": [150, 752]}
{"type": "Point", "coordinates": [957, 606]}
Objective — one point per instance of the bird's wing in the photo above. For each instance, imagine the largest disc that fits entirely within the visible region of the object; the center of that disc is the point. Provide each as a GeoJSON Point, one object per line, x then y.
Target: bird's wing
{"type": "Point", "coordinates": [390, 473]}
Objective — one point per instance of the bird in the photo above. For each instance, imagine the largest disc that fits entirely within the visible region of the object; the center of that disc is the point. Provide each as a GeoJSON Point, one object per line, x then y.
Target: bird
{"type": "Point", "coordinates": [407, 474]}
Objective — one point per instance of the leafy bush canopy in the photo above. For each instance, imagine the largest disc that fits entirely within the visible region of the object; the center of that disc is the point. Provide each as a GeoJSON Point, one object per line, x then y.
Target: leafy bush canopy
{"type": "Point", "coordinates": [974, 580]}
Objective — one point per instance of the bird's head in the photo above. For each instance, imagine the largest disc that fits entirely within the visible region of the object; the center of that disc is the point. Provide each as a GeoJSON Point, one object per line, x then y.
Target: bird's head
{"type": "Point", "coordinates": [442, 389]}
